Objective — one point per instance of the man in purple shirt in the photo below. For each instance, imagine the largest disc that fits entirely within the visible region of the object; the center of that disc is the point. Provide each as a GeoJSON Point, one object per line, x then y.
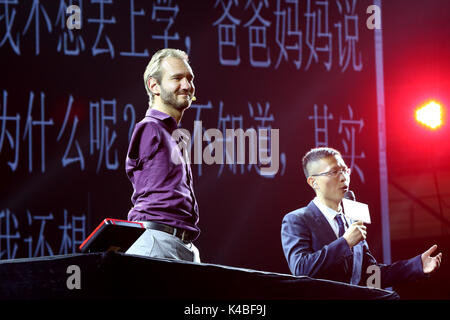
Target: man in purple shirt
{"type": "Point", "coordinates": [163, 197]}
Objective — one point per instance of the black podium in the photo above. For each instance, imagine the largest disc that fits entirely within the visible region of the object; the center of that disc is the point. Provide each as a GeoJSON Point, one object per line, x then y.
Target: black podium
{"type": "Point", "coordinates": [115, 275]}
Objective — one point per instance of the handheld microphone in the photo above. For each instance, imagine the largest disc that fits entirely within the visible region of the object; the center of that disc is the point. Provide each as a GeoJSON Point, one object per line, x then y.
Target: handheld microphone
{"type": "Point", "coordinates": [355, 210]}
{"type": "Point", "coordinates": [349, 195]}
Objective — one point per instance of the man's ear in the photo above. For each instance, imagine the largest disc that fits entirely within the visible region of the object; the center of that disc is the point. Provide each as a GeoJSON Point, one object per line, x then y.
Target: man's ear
{"type": "Point", "coordinates": [153, 85]}
{"type": "Point", "coordinates": [312, 182]}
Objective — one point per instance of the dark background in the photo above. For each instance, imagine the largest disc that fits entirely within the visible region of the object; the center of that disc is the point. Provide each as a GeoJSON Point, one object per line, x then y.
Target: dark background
{"type": "Point", "coordinates": [416, 68]}
{"type": "Point", "coordinates": [240, 211]}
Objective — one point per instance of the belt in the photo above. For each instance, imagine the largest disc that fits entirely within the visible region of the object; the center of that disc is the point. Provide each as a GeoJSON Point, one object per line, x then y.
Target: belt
{"type": "Point", "coordinates": [183, 234]}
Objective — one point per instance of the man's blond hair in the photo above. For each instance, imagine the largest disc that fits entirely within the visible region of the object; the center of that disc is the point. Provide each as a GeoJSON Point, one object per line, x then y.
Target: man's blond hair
{"type": "Point", "coordinates": [153, 69]}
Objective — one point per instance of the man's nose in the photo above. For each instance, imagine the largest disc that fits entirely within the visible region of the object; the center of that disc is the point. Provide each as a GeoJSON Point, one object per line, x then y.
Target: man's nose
{"type": "Point", "coordinates": [344, 177]}
{"type": "Point", "coordinates": [186, 85]}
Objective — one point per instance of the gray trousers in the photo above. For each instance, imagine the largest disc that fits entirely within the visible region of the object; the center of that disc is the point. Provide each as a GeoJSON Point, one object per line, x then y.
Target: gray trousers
{"type": "Point", "coordinates": [159, 244]}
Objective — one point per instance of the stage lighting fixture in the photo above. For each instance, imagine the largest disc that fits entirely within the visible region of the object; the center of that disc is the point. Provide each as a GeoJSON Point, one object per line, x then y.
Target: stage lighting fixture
{"type": "Point", "coordinates": [430, 114]}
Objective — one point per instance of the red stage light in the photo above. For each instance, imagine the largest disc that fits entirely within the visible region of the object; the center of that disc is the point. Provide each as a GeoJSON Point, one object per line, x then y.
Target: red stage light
{"type": "Point", "coordinates": [430, 115]}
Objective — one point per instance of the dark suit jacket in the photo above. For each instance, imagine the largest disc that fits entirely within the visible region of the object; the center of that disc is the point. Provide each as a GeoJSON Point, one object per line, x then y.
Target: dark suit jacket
{"type": "Point", "coordinates": [312, 249]}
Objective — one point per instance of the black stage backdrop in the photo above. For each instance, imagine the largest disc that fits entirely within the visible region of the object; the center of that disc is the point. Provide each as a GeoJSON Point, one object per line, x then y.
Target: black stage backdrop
{"type": "Point", "coordinates": [70, 99]}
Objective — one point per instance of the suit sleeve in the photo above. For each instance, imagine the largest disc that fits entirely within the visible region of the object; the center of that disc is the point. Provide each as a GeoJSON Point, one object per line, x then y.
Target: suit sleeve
{"type": "Point", "coordinates": [297, 242]}
{"type": "Point", "coordinates": [395, 273]}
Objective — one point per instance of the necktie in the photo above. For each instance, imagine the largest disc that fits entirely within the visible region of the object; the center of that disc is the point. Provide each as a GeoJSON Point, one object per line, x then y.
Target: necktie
{"type": "Point", "coordinates": [340, 224]}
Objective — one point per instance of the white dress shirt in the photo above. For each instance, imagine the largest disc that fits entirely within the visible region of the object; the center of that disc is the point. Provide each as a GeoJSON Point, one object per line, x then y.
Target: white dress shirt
{"type": "Point", "coordinates": [330, 215]}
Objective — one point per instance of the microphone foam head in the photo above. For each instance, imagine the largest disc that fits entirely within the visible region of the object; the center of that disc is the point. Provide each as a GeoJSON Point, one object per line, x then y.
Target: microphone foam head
{"type": "Point", "coordinates": [350, 195]}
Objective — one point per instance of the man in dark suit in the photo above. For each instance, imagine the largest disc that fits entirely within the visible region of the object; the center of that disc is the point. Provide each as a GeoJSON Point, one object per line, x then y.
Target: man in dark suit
{"type": "Point", "coordinates": [320, 242]}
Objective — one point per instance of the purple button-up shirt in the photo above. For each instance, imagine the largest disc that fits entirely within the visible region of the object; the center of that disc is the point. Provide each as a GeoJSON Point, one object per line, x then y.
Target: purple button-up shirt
{"type": "Point", "coordinates": [163, 190]}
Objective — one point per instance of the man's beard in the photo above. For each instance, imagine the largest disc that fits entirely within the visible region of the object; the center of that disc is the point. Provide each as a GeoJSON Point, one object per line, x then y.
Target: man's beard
{"type": "Point", "coordinates": [171, 99]}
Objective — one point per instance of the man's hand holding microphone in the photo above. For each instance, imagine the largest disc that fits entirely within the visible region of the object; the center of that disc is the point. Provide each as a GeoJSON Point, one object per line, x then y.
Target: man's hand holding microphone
{"type": "Point", "coordinates": [356, 233]}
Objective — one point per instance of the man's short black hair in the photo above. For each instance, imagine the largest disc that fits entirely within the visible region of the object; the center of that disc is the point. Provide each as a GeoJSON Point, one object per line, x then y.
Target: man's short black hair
{"type": "Point", "coordinates": [316, 154]}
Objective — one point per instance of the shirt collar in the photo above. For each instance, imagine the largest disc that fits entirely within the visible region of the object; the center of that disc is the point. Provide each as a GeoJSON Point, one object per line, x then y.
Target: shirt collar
{"type": "Point", "coordinates": [167, 119]}
{"type": "Point", "coordinates": [328, 212]}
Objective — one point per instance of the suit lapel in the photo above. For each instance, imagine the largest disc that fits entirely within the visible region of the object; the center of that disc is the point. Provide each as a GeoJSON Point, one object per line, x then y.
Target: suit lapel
{"type": "Point", "coordinates": [322, 226]}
